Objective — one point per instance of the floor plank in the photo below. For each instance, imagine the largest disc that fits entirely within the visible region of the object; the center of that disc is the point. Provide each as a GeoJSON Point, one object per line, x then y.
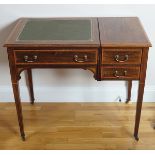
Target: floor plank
{"type": "Point", "coordinates": [79, 126]}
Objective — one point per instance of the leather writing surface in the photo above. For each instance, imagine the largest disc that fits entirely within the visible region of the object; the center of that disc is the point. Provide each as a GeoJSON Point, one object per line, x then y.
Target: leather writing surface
{"type": "Point", "coordinates": [56, 30]}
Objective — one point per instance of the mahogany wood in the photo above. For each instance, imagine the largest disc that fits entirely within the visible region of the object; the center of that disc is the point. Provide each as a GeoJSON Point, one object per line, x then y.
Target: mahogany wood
{"type": "Point", "coordinates": [120, 73]}
{"type": "Point", "coordinates": [30, 84]}
{"type": "Point", "coordinates": [122, 32]}
{"type": "Point", "coordinates": [57, 56]}
{"type": "Point", "coordinates": [117, 50]}
{"type": "Point", "coordinates": [121, 56]}
{"type": "Point", "coordinates": [141, 91]}
{"type": "Point", "coordinates": [129, 91]}
{"type": "Point", "coordinates": [15, 86]}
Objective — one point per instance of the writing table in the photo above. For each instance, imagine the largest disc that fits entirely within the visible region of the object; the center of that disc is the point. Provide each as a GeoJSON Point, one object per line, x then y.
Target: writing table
{"type": "Point", "coordinates": [112, 48]}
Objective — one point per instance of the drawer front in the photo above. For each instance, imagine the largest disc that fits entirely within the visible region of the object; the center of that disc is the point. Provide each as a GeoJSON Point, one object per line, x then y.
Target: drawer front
{"type": "Point", "coordinates": [120, 73]}
{"type": "Point", "coordinates": [121, 56]}
{"type": "Point", "coordinates": [56, 56]}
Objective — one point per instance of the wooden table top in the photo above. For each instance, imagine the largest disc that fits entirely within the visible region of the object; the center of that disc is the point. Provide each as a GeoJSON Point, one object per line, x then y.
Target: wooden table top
{"type": "Point", "coordinates": [55, 32]}
{"type": "Point", "coordinates": [122, 32]}
{"type": "Point", "coordinates": [78, 32]}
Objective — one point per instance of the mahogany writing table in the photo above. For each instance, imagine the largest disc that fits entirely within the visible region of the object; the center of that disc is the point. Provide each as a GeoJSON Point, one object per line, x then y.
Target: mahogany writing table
{"type": "Point", "coordinates": [113, 48]}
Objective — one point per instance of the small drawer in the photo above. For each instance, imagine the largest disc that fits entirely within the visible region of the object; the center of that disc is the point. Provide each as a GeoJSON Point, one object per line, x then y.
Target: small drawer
{"type": "Point", "coordinates": [120, 73]}
{"type": "Point", "coordinates": [56, 56]}
{"type": "Point", "coordinates": [121, 56]}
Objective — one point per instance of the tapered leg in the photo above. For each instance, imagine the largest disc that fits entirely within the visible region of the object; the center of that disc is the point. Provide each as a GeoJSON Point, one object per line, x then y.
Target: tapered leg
{"type": "Point", "coordinates": [30, 85]}
{"type": "Point", "coordinates": [15, 85]}
{"type": "Point", "coordinates": [19, 109]}
{"type": "Point", "coordinates": [129, 91]}
{"type": "Point", "coordinates": [138, 109]}
{"type": "Point", "coordinates": [140, 92]}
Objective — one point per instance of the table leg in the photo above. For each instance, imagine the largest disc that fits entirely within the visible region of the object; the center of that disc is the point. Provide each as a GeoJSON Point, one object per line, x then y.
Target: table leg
{"type": "Point", "coordinates": [129, 91]}
{"type": "Point", "coordinates": [138, 109]}
{"type": "Point", "coordinates": [30, 85]}
{"type": "Point", "coordinates": [15, 85]}
{"type": "Point", "coordinates": [19, 109]}
{"type": "Point", "coordinates": [140, 91]}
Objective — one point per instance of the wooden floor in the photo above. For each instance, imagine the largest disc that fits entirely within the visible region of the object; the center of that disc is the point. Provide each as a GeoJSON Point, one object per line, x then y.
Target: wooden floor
{"type": "Point", "coordinates": [77, 126]}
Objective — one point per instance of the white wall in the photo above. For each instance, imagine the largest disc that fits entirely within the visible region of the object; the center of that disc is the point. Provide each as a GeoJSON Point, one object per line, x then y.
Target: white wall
{"type": "Point", "coordinates": [67, 85]}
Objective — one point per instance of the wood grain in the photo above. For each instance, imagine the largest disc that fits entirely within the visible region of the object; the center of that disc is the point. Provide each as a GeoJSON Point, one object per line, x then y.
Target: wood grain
{"type": "Point", "coordinates": [122, 32]}
{"type": "Point", "coordinates": [109, 72]}
{"type": "Point", "coordinates": [129, 91]}
{"type": "Point", "coordinates": [57, 56]}
{"type": "Point", "coordinates": [133, 56]}
{"type": "Point", "coordinates": [141, 90]}
{"type": "Point", "coordinates": [77, 126]}
{"type": "Point", "coordinates": [30, 85]}
{"type": "Point", "coordinates": [124, 35]}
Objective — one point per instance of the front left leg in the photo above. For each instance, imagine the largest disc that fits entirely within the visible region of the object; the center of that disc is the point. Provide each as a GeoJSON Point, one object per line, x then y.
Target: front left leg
{"type": "Point", "coordinates": [18, 108]}
{"type": "Point", "coordinates": [15, 76]}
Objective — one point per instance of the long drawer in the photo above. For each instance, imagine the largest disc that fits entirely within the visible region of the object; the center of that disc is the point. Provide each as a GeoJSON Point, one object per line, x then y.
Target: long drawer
{"type": "Point", "coordinates": [121, 56]}
{"type": "Point", "coordinates": [56, 56]}
{"type": "Point", "coordinates": [120, 73]}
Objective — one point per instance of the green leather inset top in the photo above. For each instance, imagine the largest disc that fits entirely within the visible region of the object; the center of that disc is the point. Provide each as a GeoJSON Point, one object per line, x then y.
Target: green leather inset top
{"type": "Point", "coordinates": [56, 30]}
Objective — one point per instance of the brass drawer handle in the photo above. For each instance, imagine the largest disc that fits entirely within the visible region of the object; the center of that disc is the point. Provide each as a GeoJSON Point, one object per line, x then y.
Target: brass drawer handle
{"type": "Point", "coordinates": [34, 59]}
{"type": "Point", "coordinates": [117, 58]}
{"type": "Point", "coordinates": [80, 60]}
{"type": "Point", "coordinates": [116, 74]}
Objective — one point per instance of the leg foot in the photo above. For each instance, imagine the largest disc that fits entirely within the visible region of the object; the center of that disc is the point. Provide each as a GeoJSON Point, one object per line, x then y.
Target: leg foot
{"type": "Point", "coordinates": [127, 101]}
{"type": "Point", "coordinates": [136, 137]}
{"type": "Point", "coordinates": [23, 137]}
{"type": "Point", "coordinates": [32, 101]}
